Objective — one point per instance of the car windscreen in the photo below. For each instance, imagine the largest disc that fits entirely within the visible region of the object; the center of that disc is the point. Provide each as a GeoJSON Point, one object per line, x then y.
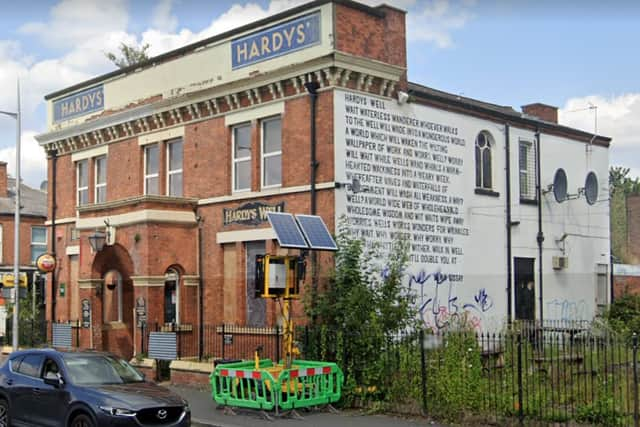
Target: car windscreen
{"type": "Point", "coordinates": [99, 369]}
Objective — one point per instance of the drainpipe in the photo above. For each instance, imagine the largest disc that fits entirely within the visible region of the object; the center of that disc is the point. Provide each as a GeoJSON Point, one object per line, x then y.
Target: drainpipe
{"type": "Point", "coordinates": [312, 89]}
{"type": "Point", "coordinates": [508, 224]}
{"type": "Point", "coordinates": [540, 236]}
{"type": "Point", "coordinates": [200, 223]}
{"type": "Point", "coordinates": [53, 154]}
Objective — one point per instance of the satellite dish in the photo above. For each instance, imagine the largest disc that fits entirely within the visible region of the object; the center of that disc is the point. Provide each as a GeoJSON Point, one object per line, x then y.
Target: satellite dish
{"type": "Point", "coordinates": [591, 188]}
{"type": "Point", "coordinates": [560, 186]}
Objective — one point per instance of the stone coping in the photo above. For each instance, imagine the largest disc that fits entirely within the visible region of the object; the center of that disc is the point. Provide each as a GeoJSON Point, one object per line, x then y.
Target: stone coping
{"type": "Point", "coordinates": [190, 366]}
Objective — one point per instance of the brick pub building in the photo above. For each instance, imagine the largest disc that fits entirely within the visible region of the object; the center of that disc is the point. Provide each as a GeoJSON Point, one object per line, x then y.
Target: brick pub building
{"type": "Point", "coordinates": [178, 158]}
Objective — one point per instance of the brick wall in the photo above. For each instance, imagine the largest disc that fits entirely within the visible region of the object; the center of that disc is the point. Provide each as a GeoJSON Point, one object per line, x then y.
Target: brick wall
{"type": "Point", "coordinates": [633, 226]}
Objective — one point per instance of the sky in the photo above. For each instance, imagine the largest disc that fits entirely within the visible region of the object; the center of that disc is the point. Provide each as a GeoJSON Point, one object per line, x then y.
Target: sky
{"type": "Point", "coordinates": [582, 56]}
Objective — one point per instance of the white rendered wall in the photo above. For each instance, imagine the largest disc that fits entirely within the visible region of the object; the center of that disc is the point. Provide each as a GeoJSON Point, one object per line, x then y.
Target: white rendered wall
{"type": "Point", "coordinates": [458, 273]}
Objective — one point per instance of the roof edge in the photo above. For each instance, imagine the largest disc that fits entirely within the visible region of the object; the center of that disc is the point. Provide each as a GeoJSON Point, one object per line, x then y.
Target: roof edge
{"type": "Point", "coordinates": [414, 89]}
{"type": "Point", "coordinates": [375, 11]}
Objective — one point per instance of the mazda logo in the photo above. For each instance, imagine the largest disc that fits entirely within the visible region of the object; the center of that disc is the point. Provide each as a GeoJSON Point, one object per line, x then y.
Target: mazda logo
{"type": "Point", "coordinates": [162, 414]}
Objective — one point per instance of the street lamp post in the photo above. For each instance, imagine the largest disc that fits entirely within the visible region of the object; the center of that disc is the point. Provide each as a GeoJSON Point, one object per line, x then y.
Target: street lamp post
{"type": "Point", "coordinates": [16, 232]}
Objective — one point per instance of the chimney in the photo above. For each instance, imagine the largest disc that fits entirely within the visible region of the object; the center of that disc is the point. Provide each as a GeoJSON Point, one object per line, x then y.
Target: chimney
{"type": "Point", "coordinates": [3, 179]}
{"type": "Point", "coordinates": [545, 112]}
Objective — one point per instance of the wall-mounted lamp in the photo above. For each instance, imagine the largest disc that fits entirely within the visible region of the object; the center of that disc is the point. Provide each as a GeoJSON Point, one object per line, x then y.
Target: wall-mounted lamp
{"type": "Point", "coordinates": [99, 238]}
{"type": "Point", "coordinates": [354, 186]}
{"type": "Point", "coordinates": [403, 97]}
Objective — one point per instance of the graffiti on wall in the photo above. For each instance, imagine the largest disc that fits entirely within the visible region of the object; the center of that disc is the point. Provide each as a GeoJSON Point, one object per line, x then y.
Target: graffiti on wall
{"type": "Point", "coordinates": [439, 303]}
{"type": "Point", "coordinates": [566, 310]}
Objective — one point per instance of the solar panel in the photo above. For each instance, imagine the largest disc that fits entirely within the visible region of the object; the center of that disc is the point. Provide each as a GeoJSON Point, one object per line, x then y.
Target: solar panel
{"type": "Point", "coordinates": [316, 233]}
{"type": "Point", "coordinates": [287, 231]}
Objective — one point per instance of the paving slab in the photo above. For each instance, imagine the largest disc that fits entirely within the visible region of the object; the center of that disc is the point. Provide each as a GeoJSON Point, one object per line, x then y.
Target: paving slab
{"type": "Point", "coordinates": [205, 413]}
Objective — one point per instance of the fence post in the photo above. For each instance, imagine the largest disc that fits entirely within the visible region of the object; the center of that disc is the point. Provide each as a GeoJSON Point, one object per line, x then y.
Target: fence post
{"type": "Point", "coordinates": [636, 419]}
{"type": "Point", "coordinates": [175, 329]}
{"type": "Point", "coordinates": [423, 370]}
{"type": "Point", "coordinates": [222, 340]}
{"type": "Point", "coordinates": [77, 333]}
{"type": "Point", "coordinates": [519, 348]}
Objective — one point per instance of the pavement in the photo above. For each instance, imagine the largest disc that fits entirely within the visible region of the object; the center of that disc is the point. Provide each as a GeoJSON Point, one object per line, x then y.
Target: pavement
{"type": "Point", "coordinates": [205, 413]}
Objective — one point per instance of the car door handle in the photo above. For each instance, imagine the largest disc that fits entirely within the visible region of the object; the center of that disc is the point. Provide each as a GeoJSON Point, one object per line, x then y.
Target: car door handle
{"type": "Point", "coordinates": [36, 390]}
{"type": "Point", "coordinates": [8, 382]}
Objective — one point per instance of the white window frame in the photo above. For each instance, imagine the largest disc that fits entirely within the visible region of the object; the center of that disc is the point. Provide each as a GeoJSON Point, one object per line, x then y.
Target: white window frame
{"type": "Point", "coordinates": [238, 160]}
{"type": "Point", "coordinates": [34, 243]}
{"type": "Point", "coordinates": [174, 172]}
{"type": "Point", "coordinates": [144, 171]}
{"type": "Point", "coordinates": [99, 185]}
{"type": "Point", "coordinates": [531, 174]}
{"type": "Point", "coordinates": [78, 188]}
{"type": "Point", "coordinates": [265, 156]}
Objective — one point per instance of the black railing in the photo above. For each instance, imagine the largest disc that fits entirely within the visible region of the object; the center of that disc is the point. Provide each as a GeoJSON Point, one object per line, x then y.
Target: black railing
{"type": "Point", "coordinates": [553, 373]}
{"type": "Point", "coordinates": [219, 341]}
{"type": "Point", "coordinates": [39, 333]}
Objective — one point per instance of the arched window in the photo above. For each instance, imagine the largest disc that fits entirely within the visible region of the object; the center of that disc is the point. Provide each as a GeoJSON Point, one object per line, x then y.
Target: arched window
{"type": "Point", "coordinates": [172, 296]}
{"type": "Point", "coordinates": [483, 160]}
{"type": "Point", "coordinates": [112, 297]}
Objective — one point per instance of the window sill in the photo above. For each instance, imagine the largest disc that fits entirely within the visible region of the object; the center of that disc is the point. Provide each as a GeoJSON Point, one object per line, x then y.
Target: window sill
{"type": "Point", "coordinates": [487, 192]}
{"type": "Point", "coordinates": [529, 202]}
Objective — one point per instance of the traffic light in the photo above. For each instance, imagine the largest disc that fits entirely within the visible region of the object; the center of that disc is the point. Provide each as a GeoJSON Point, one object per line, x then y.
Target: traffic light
{"type": "Point", "coordinates": [8, 281]}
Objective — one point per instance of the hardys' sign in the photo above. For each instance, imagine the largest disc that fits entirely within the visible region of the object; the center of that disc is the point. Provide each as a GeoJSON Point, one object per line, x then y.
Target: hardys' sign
{"type": "Point", "coordinates": [78, 104]}
{"type": "Point", "coordinates": [276, 41]}
{"type": "Point", "coordinates": [250, 213]}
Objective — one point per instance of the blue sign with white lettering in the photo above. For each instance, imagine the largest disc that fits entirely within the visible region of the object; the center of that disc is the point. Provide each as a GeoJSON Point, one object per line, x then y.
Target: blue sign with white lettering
{"type": "Point", "coordinates": [282, 39]}
{"type": "Point", "coordinates": [78, 104]}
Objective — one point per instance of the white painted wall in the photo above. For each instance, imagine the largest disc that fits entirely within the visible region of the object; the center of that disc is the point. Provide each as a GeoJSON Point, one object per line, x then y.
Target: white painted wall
{"type": "Point", "coordinates": [568, 294]}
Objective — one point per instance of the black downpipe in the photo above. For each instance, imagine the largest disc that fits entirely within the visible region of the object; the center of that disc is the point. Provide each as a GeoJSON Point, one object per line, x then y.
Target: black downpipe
{"type": "Point", "coordinates": [508, 191]}
{"type": "Point", "coordinates": [54, 160]}
{"type": "Point", "coordinates": [200, 288]}
{"type": "Point", "coordinates": [540, 237]}
{"type": "Point", "coordinates": [312, 88]}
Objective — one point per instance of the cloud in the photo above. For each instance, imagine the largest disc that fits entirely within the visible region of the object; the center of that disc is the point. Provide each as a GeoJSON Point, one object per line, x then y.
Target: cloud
{"type": "Point", "coordinates": [617, 117]}
{"type": "Point", "coordinates": [435, 21]}
{"type": "Point", "coordinates": [33, 162]}
{"type": "Point", "coordinates": [163, 19]}
{"type": "Point", "coordinates": [76, 21]}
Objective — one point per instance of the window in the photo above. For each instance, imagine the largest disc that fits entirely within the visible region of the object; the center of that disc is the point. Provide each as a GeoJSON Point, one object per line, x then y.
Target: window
{"type": "Point", "coordinates": [30, 365]}
{"type": "Point", "coordinates": [272, 152]}
{"type": "Point", "coordinates": [602, 291]}
{"type": "Point", "coordinates": [82, 176]}
{"type": "Point", "coordinates": [38, 242]}
{"type": "Point", "coordinates": [171, 297]}
{"type": "Point", "coordinates": [101, 179]}
{"type": "Point", "coordinates": [527, 163]}
{"type": "Point", "coordinates": [174, 168]}
{"type": "Point", "coordinates": [241, 167]}
{"type": "Point", "coordinates": [151, 166]}
{"type": "Point", "coordinates": [112, 297]}
{"type": "Point", "coordinates": [483, 161]}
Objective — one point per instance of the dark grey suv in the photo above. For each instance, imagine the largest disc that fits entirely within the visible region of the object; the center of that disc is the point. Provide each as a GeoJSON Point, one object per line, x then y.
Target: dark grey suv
{"type": "Point", "coordinates": [83, 389]}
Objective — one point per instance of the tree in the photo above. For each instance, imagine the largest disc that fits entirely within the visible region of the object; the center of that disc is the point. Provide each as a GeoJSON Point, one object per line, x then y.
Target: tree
{"type": "Point", "coordinates": [620, 186]}
{"type": "Point", "coordinates": [129, 55]}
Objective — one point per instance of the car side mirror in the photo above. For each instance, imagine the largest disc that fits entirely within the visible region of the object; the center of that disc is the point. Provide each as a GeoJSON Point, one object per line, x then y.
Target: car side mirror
{"type": "Point", "coordinates": [55, 380]}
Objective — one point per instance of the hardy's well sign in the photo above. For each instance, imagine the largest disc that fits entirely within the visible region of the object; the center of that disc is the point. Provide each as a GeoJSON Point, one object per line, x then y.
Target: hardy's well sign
{"type": "Point", "coordinates": [276, 41]}
{"type": "Point", "coordinates": [78, 104]}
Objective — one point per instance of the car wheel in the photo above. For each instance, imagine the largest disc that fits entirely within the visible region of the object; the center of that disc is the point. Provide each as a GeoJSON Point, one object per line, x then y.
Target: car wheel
{"type": "Point", "coordinates": [4, 413]}
{"type": "Point", "coordinates": [82, 420]}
